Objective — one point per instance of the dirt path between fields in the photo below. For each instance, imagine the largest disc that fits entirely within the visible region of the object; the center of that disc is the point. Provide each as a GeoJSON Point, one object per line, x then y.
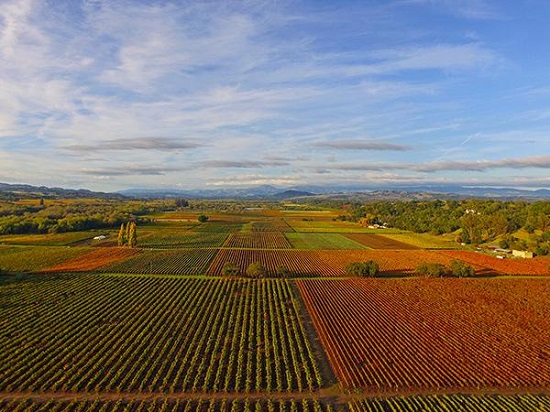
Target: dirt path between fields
{"type": "Point", "coordinates": [332, 395]}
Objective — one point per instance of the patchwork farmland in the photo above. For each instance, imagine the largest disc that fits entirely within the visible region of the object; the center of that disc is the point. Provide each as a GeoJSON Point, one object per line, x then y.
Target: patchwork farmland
{"type": "Point", "coordinates": [162, 327]}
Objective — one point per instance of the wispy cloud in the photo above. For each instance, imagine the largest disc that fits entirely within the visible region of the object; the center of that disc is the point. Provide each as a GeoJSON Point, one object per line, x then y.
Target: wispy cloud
{"type": "Point", "coordinates": [471, 9]}
{"type": "Point", "coordinates": [242, 164]}
{"type": "Point", "coordinates": [362, 145]}
{"type": "Point", "coordinates": [542, 162]}
{"type": "Point", "coordinates": [138, 143]}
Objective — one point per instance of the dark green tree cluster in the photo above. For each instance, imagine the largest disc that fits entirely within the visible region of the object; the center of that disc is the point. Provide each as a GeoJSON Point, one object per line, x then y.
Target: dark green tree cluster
{"type": "Point", "coordinates": [366, 269]}
{"type": "Point", "coordinates": [456, 268]}
{"type": "Point", "coordinates": [62, 216]}
{"type": "Point", "coordinates": [479, 220]}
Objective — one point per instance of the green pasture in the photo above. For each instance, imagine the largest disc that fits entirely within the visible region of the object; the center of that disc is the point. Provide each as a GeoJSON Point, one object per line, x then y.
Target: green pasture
{"type": "Point", "coordinates": [423, 240]}
{"type": "Point", "coordinates": [49, 239]}
{"type": "Point", "coordinates": [322, 241]}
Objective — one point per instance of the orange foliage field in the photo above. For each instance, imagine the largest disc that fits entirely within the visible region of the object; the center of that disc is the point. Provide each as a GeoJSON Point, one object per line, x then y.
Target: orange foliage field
{"type": "Point", "coordinates": [396, 335]}
{"type": "Point", "coordinates": [93, 260]}
{"type": "Point", "coordinates": [509, 266]}
{"type": "Point", "coordinates": [390, 261]}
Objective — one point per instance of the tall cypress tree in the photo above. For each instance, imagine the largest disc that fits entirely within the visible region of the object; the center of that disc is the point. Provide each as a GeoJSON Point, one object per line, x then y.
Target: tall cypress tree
{"type": "Point", "coordinates": [132, 236]}
{"type": "Point", "coordinates": [122, 235]}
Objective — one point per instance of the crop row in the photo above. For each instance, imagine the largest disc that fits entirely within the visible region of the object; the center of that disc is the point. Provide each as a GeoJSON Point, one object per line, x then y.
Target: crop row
{"type": "Point", "coordinates": [161, 239]}
{"type": "Point", "coordinates": [445, 403]}
{"type": "Point", "coordinates": [123, 334]}
{"type": "Point", "coordinates": [161, 262]}
{"type": "Point", "coordinates": [383, 334]}
{"type": "Point", "coordinates": [258, 240]}
{"type": "Point", "coordinates": [298, 263]}
{"type": "Point", "coordinates": [213, 405]}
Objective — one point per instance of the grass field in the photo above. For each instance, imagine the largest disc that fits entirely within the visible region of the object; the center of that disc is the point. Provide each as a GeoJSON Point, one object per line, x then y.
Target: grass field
{"type": "Point", "coordinates": [34, 258]}
{"type": "Point", "coordinates": [50, 239]}
{"type": "Point", "coordinates": [423, 240]}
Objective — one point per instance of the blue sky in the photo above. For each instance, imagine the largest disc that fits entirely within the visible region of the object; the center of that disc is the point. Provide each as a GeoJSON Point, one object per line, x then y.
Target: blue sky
{"type": "Point", "coordinates": [108, 95]}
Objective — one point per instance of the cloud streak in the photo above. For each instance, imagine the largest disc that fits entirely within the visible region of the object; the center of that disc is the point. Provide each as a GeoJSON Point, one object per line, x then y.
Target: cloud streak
{"type": "Point", "coordinates": [362, 145]}
{"type": "Point", "coordinates": [138, 143]}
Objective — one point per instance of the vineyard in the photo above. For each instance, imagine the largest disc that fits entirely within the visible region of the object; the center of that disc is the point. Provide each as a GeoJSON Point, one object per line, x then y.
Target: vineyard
{"type": "Point", "coordinates": [161, 327]}
{"type": "Point", "coordinates": [390, 335]}
{"type": "Point", "coordinates": [258, 240]}
{"type": "Point", "coordinates": [178, 262]}
{"type": "Point", "coordinates": [322, 241]}
{"type": "Point", "coordinates": [302, 263]}
{"type": "Point", "coordinates": [98, 333]}
{"type": "Point", "coordinates": [493, 403]}
{"type": "Point", "coordinates": [213, 405]}
{"type": "Point", "coordinates": [170, 238]}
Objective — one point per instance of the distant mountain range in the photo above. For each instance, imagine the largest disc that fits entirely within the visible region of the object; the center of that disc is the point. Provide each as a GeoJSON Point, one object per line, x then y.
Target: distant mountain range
{"type": "Point", "coordinates": [268, 192]}
{"type": "Point", "coordinates": [22, 190]}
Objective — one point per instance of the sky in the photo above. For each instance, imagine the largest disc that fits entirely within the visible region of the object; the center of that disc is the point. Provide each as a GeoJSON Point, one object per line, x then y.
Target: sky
{"type": "Point", "coordinates": [115, 94]}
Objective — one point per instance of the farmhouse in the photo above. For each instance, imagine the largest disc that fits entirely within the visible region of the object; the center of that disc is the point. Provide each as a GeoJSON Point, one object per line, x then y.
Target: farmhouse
{"type": "Point", "coordinates": [522, 254]}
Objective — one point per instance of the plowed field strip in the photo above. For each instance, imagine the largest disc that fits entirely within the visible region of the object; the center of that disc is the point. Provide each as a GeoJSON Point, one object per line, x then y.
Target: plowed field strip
{"type": "Point", "coordinates": [433, 333]}
{"type": "Point", "coordinates": [93, 260]}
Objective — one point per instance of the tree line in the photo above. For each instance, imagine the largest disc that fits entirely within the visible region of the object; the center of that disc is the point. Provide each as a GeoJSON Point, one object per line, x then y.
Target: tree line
{"type": "Point", "coordinates": [475, 221]}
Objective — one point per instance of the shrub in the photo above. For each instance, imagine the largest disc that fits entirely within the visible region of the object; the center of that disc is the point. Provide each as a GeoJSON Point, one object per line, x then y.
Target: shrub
{"type": "Point", "coordinates": [230, 269]}
{"type": "Point", "coordinates": [431, 269]}
{"type": "Point", "coordinates": [255, 270]}
{"type": "Point", "coordinates": [460, 269]}
{"type": "Point", "coordinates": [202, 218]}
{"type": "Point", "coordinates": [369, 268]}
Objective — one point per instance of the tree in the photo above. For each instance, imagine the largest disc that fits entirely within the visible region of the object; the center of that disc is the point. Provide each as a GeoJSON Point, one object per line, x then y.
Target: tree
{"type": "Point", "coordinates": [181, 202]}
{"type": "Point", "coordinates": [255, 270]}
{"type": "Point", "coordinates": [122, 235]}
{"type": "Point", "coordinates": [431, 269]}
{"type": "Point", "coordinates": [202, 218]}
{"type": "Point", "coordinates": [132, 234]}
{"type": "Point", "coordinates": [230, 269]}
{"type": "Point", "coordinates": [367, 269]}
{"type": "Point", "coordinates": [460, 269]}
